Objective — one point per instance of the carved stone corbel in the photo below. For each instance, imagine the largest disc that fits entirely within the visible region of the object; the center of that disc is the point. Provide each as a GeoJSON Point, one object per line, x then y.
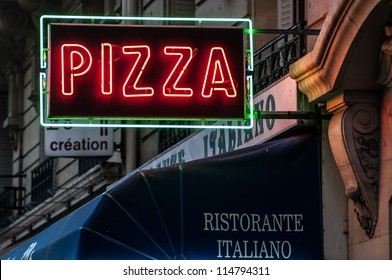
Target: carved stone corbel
{"type": "Point", "coordinates": [354, 136]}
{"type": "Point", "coordinates": [11, 126]}
{"type": "Point", "coordinates": [15, 90]}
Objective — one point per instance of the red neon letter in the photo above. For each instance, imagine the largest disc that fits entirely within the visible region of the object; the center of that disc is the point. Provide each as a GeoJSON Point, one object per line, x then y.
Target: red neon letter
{"type": "Point", "coordinates": [221, 81]}
{"type": "Point", "coordinates": [130, 87]}
{"type": "Point", "coordinates": [170, 86]}
{"type": "Point", "coordinates": [107, 68]}
{"type": "Point", "coordinates": [75, 61]}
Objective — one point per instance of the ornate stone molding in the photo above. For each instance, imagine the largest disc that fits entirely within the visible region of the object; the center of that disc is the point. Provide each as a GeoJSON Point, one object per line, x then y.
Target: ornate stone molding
{"type": "Point", "coordinates": [354, 137]}
{"type": "Point", "coordinates": [15, 90]}
{"type": "Point", "coordinates": [318, 72]}
{"type": "Point", "coordinates": [361, 133]}
{"type": "Point", "coordinates": [12, 19]}
{"type": "Point", "coordinates": [385, 75]}
{"type": "Point", "coordinates": [11, 125]}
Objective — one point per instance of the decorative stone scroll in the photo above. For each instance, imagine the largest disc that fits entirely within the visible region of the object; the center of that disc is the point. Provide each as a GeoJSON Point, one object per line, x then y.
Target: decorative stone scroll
{"type": "Point", "coordinates": [354, 137]}
{"type": "Point", "coordinates": [361, 135]}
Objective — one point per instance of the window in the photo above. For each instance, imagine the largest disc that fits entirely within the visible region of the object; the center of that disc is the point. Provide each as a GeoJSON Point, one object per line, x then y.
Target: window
{"type": "Point", "coordinates": [285, 14]}
{"type": "Point", "coordinates": [42, 182]}
{"type": "Point", "coordinates": [86, 164]}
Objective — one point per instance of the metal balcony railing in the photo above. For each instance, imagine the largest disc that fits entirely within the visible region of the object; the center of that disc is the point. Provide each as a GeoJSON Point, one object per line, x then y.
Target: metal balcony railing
{"type": "Point", "coordinates": [170, 137]}
{"type": "Point", "coordinates": [85, 164]}
{"type": "Point", "coordinates": [272, 61]}
{"type": "Point", "coordinates": [15, 201]}
{"type": "Point", "coordinates": [11, 204]}
{"type": "Point", "coordinates": [42, 182]}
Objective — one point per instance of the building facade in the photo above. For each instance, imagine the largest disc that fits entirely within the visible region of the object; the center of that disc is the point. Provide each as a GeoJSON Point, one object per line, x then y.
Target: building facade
{"type": "Point", "coordinates": [329, 58]}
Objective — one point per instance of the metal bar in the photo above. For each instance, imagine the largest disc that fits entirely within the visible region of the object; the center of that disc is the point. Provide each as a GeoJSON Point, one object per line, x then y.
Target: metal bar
{"type": "Point", "coordinates": [303, 115]}
{"type": "Point", "coordinates": [304, 32]}
{"type": "Point", "coordinates": [12, 176]}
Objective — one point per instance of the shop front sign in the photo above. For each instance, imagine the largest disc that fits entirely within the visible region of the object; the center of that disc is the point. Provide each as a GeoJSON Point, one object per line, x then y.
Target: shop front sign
{"type": "Point", "coordinates": [71, 141]}
{"type": "Point", "coordinates": [138, 72]}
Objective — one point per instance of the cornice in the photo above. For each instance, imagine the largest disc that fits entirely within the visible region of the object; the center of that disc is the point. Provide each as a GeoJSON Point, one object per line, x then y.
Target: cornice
{"type": "Point", "coordinates": [316, 73]}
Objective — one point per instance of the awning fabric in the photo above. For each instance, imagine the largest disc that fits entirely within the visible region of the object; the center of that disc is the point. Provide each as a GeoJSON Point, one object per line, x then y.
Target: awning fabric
{"type": "Point", "coordinates": [260, 202]}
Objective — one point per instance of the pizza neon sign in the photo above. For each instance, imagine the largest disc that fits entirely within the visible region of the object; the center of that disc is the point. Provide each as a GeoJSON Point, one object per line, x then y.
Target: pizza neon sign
{"type": "Point", "coordinates": [126, 72]}
{"type": "Point", "coordinates": [76, 60]}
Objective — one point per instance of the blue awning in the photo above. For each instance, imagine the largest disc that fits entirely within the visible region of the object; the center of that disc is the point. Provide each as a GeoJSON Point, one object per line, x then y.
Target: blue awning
{"type": "Point", "coordinates": [261, 202]}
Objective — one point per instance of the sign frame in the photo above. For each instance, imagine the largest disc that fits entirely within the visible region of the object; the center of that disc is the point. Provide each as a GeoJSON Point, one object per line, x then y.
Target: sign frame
{"type": "Point", "coordinates": [45, 121]}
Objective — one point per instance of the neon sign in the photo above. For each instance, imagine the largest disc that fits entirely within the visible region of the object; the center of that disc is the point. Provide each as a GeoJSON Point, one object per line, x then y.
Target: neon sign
{"type": "Point", "coordinates": [134, 72]}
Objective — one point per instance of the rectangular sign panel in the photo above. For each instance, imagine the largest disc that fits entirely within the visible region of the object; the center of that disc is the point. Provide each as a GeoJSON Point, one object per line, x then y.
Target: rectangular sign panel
{"type": "Point", "coordinates": [78, 142]}
{"type": "Point", "coordinates": [120, 72]}
{"type": "Point", "coordinates": [117, 71]}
